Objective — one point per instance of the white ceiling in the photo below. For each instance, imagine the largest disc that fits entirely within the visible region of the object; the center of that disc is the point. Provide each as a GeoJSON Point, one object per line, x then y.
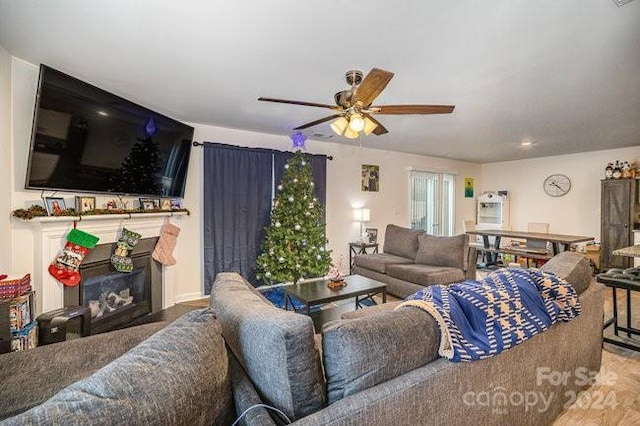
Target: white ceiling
{"type": "Point", "coordinates": [565, 74]}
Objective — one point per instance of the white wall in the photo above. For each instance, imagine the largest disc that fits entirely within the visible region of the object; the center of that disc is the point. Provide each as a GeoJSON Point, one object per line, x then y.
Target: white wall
{"type": "Point", "coordinates": [389, 205]}
{"type": "Point", "coordinates": [5, 160]}
{"type": "Point", "coordinates": [576, 213]}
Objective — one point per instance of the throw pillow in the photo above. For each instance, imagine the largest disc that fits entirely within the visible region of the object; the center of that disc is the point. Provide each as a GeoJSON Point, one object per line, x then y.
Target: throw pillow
{"type": "Point", "coordinates": [401, 241]}
{"type": "Point", "coordinates": [363, 352]}
{"type": "Point", "coordinates": [275, 347]}
{"type": "Point", "coordinates": [443, 251]}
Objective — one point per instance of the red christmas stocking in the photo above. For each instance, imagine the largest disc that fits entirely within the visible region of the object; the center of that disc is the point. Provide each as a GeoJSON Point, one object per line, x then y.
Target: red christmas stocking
{"type": "Point", "coordinates": [65, 267]}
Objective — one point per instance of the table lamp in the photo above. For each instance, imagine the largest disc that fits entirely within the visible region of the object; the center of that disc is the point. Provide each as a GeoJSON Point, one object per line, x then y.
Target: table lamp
{"type": "Point", "coordinates": [361, 215]}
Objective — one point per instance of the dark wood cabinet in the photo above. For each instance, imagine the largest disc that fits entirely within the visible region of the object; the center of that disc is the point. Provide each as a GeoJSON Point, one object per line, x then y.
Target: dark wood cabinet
{"type": "Point", "coordinates": [619, 210]}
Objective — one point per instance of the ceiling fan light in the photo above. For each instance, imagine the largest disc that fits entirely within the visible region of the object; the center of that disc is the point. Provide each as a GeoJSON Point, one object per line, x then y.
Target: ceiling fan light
{"type": "Point", "coordinates": [339, 125]}
{"type": "Point", "coordinates": [356, 123]}
{"type": "Point", "coordinates": [369, 126]}
{"type": "Point", "coordinates": [350, 134]}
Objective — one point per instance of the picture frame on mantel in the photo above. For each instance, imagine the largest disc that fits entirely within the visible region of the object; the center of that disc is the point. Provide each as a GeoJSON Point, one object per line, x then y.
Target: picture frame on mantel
{"type": "Point", "coordinates": [149, 203]}
{"type": "Point", "coordinates": [54, 205]}
{"type": "Point", "coordinates": [85, 204]}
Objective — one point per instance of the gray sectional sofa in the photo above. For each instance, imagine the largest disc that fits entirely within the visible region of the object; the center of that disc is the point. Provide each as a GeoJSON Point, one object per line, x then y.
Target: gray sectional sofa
{"type": "Point", "coordinates": [413, 259]}
{"type": "Point", "coordinates": [376, 367]}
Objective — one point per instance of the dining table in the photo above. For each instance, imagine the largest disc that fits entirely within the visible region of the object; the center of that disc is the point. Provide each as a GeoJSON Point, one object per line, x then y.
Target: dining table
{"type": "Point", "coordinates": [559, 242]}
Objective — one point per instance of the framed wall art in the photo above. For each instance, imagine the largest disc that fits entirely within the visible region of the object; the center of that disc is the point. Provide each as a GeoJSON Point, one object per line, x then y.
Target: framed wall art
{"type": "Point", "coordinates": [468, 187]}
{"type": "Point", "coordinates": [370, 178]}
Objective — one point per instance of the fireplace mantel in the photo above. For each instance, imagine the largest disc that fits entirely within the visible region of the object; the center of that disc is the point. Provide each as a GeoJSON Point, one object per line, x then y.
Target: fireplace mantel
{"type": "Point", "coordinates": [50, 235]}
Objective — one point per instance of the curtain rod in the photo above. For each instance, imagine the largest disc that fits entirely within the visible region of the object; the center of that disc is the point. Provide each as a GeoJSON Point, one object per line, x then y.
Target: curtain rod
{"type": "Point", "coordinates": [194, 143]}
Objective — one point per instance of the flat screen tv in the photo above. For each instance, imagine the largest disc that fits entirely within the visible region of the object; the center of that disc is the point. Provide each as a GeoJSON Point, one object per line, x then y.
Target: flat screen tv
{"type": "Point", "coordinates": [85, 139]}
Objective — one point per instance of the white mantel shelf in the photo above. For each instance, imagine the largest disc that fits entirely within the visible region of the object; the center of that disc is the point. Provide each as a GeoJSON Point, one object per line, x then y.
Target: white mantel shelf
{"type": "Point", "coordinates": [49, 237]}
{"type": "Point", "coordinates": [118, 216]}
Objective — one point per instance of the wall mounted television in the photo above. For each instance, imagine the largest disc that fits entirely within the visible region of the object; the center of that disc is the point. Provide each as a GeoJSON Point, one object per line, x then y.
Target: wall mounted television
{"type": "Point", "coordinates": [85, 139]}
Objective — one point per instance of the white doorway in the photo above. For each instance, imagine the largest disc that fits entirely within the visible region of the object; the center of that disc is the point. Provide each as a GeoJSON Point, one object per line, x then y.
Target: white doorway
{"type": "Point", "coordinates": [431, 201]}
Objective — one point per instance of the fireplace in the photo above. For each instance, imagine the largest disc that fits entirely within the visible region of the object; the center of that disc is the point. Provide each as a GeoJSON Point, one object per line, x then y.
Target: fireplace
{"type": "Point", "coordinates": [117, 298]}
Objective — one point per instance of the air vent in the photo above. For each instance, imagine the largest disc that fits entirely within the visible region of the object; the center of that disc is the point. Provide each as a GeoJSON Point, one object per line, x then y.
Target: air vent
{"type": "Point", "coordinates": [322, 136]}
{"type": "Point", "coordinates": [621, 2]}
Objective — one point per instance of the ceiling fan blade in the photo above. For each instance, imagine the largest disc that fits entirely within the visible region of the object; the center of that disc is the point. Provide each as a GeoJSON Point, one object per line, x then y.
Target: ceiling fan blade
{"type": "Point", "coordinates": [322, 120]}
{"type": "Point", "coordinates": [286, 101]}
{"type": "Point", "coordinates": [412, 109]}
{"type": "Point", "coordinates": [380, 130]}
{"type": "Point", "coordinates": [372, 85]}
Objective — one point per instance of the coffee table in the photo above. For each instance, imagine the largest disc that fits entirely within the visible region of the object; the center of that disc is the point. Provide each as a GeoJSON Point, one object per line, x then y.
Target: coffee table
{"type": "Point", "coordinates": [316, 293]}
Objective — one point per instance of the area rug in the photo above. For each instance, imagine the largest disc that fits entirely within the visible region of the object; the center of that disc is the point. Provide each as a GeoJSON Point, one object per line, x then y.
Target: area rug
{"type": "Point", "coordinates": [275, 295]}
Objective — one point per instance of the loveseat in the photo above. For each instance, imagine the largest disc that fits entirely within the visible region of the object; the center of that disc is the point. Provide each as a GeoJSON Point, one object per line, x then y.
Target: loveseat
{"type": "Point", "coordinates": [378, 367]}
{"type": "Point", "coordinates": [412, 259]}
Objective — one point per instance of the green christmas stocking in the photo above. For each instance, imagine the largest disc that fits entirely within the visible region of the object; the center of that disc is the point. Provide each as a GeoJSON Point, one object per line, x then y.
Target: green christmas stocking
{"type": "Point", "coordinates": [120, 258]}
{"type": "Point", "coordinates": [65, 267]}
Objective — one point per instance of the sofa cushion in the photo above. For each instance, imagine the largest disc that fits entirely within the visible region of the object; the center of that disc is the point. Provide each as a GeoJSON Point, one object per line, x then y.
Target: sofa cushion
{"type": "Point", "coordinates": [178, 376]}
{"type": "Point", "coordinates": [443, 251]}
{"type": "Point", "coordinates": [275, 347]}
{"type": "Point", "coordinates": [363, 352]}
{"type": "Point", "coordinates": [571, 266]}
{"type": "Point", "coordinates": [426, 275]}
{"type": "Point", "coordinates": [401, 241]}
{"type": "Point", "coordinates": [378, 261]}
{"type": "Point", "coordinates": [51, 368]}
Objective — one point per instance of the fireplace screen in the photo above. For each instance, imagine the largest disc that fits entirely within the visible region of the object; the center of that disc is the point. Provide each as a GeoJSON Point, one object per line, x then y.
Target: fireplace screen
{"type": "Point", "coordinates": [117, 299]}
{"type": "Point", "coordinates": [105, 294]}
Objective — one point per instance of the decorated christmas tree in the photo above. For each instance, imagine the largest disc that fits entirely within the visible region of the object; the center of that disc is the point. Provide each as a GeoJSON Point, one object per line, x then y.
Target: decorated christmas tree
{"type": "Point", "coordinates": [295, 243]}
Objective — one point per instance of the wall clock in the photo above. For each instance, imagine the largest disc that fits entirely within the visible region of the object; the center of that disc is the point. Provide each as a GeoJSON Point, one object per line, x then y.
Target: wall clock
{"type": "Point", "coordinates": [557, 185]}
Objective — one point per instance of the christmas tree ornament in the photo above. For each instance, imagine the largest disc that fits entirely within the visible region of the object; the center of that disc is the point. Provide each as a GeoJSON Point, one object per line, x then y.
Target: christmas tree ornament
{"type": "Point", "coordinates": [298, 139]}
{"type": "Point", "coordinates": [65, 266]}
{"type": "Point", "coordinates": [120, 258]}
{"type": "Point", "coordinates": [163, 252]}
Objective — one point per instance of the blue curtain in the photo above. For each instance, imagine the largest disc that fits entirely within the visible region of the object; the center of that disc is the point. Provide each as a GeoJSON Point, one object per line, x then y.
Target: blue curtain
{"type": "Point", "coordinates": [237, 206]}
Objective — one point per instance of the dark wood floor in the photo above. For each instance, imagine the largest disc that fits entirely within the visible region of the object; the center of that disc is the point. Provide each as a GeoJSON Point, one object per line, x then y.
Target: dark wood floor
{"type": "Point", "coordinates": [170, 314]}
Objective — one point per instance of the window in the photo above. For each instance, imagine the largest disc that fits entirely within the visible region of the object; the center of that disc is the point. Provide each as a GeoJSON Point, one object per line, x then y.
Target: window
{"type": "Point", "coordinates": [431, 202]}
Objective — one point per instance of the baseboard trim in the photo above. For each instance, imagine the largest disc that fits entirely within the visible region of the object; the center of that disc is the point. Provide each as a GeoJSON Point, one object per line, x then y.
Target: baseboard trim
{"type": "Point", "coordinates": [188, 297]}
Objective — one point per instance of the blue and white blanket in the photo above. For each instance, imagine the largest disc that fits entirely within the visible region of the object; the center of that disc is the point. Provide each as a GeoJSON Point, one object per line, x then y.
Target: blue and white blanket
{"type": "Point", "coordinates": [479, 319]}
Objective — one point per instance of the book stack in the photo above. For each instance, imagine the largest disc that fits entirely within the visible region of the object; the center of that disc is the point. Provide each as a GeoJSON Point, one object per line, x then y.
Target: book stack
{"type": "Point", "coordinates": [18, 330]}
{"type": "Point", "coordinates": [11, 287]}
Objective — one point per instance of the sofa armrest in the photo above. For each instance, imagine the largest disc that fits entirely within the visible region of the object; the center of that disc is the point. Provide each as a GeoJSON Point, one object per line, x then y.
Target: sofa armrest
{"type": "Point", "coordinates": [470, 272]}
{"type": "Point", "coordinates": [370, 310]}
{"type": "Point", "coordinates": [51, 368]}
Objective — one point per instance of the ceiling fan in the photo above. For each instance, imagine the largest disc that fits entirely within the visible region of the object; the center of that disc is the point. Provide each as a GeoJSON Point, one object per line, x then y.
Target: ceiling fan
{"type": "Point", "coordinates": [354, 111]}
